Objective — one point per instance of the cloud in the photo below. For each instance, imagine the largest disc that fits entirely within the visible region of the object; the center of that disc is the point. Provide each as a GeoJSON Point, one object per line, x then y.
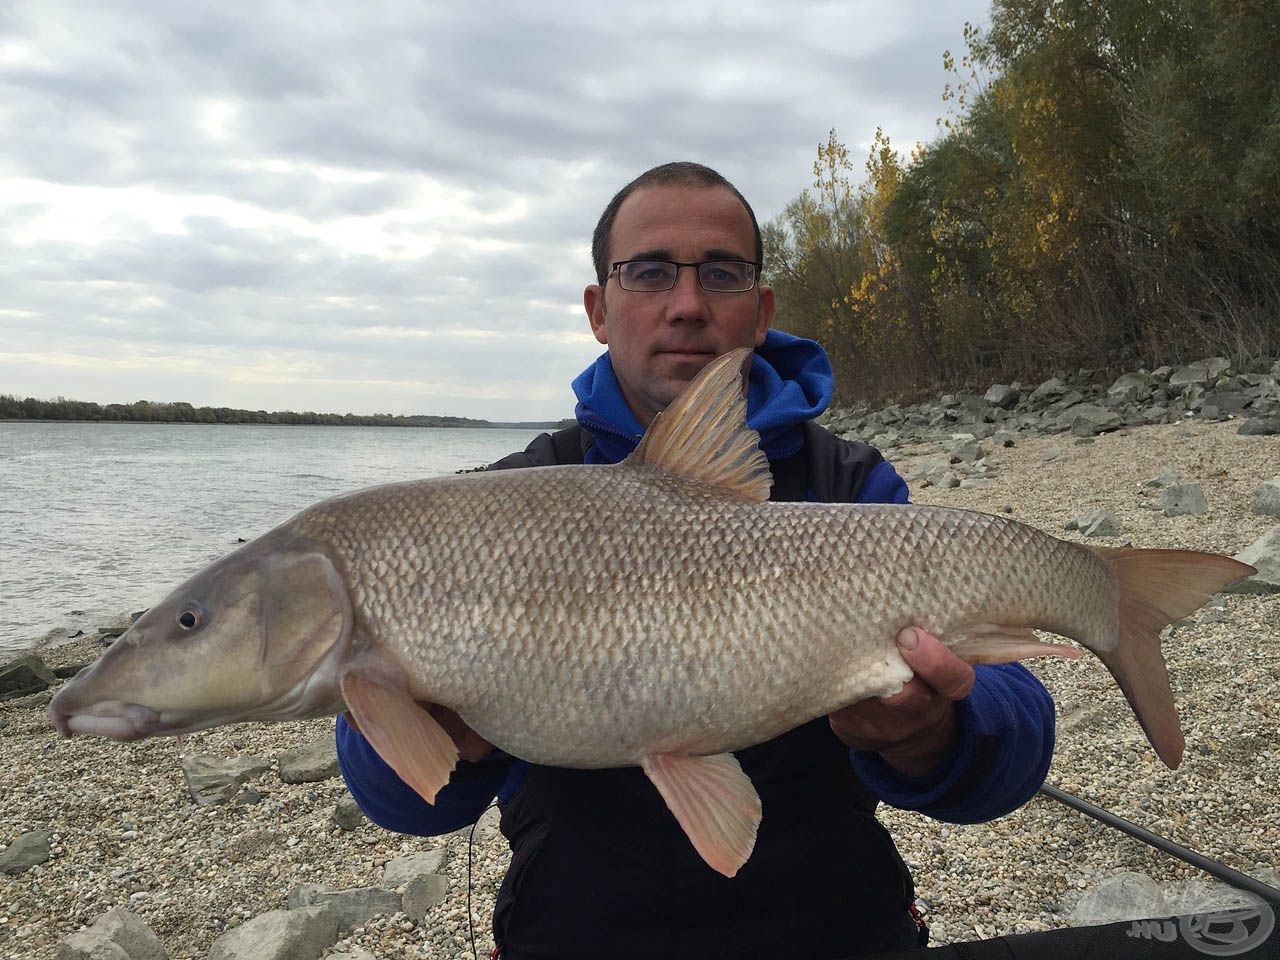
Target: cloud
{"type": "Point", "coordinates": [292, 205]}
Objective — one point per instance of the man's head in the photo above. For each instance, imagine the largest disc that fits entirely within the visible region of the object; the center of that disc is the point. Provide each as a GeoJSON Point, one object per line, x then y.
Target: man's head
{"type": "Point", "coordinates": [658, 341]}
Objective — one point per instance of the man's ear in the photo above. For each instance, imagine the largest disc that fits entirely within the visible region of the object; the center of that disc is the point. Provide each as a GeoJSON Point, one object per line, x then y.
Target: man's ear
{"type": "Point", "coordinates": [764, 314]}
{"type": "Point", "coordinates": [593, 303]}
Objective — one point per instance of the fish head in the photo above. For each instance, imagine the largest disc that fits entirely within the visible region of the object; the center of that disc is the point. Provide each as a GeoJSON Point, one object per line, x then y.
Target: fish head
{"type": "Point", "coordinates": [258, 635]}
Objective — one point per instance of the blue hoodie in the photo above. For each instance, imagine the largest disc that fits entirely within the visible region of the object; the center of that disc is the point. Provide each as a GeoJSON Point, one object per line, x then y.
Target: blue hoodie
{"type": "Point", "coordinates": [1005, 724]}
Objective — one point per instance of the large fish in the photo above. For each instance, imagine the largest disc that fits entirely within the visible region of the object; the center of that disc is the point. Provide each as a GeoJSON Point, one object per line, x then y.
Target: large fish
{"type": "Point", "coordinates": [659, 613]}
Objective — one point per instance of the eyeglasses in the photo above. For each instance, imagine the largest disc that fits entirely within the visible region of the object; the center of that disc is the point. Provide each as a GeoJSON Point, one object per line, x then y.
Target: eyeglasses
{"type": "Point", "coordinates": [714, 276]}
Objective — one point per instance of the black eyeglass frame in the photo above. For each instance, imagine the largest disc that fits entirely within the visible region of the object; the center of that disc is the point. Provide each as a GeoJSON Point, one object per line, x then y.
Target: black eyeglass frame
{"type": "Point", "coordinates": [697, 265]}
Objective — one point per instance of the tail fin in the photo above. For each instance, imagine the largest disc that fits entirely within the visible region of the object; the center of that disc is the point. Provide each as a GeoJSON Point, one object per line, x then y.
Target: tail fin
{"type": "Point", "coordinates": [1157, 587]}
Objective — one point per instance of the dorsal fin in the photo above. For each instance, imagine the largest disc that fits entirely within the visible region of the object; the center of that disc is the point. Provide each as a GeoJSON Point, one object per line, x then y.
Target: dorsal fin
{"type": "Point", "coordinates": [703, 434]}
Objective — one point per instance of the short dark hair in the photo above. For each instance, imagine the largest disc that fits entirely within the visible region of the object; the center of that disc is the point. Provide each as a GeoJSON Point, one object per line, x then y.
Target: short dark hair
{"type": "Point", "coordinates": [681, 173]}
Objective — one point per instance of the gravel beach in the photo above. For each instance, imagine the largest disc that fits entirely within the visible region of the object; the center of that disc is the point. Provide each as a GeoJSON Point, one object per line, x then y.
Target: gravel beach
{"type": "Point", "coordinates": [126, 832]}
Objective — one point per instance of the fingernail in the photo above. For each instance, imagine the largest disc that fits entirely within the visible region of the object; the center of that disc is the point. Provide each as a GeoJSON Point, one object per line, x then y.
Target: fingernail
{"type": "Point", "coordinates": [908, 639]}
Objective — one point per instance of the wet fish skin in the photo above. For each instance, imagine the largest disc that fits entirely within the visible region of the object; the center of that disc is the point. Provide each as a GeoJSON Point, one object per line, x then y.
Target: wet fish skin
{"type": "Point", "coordinates": [657, 613]}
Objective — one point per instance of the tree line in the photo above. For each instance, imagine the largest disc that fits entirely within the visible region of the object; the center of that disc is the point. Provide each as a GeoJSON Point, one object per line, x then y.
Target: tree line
{"type": "Point", "coordinates": [149, 411]}
{"type": "Point", "coordinates": [1104, 191]}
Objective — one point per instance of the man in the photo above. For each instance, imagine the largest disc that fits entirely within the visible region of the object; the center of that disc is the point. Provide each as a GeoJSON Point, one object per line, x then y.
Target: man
{"type": "Point", "coordinates": [599, 867]}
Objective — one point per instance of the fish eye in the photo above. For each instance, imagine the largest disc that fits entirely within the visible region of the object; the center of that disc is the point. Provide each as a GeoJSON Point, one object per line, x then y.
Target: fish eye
{"type": "Point", "coordinates": [188, 619]}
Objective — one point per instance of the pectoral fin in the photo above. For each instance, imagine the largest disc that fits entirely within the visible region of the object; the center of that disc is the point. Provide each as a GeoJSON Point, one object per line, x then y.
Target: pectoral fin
{"type": "Point", "coordinates": [405, 735]}
{"type": "Point", "coordinates": [993, 643]}
{"type": "Point", "coordinates": [714, 802]}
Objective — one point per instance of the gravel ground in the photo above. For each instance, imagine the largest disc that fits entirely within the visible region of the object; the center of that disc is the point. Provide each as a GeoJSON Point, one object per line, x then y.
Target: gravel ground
{"type": "Point", "coordinates": [126, 832]}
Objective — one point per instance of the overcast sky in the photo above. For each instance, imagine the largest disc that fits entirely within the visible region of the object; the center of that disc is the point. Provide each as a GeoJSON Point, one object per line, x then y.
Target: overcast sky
{"type": "Point", "coordinates": [387, 206]}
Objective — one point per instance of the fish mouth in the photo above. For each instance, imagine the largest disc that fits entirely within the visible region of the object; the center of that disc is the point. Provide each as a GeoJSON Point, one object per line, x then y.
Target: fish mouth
{"type": "Point", "coordinates": [112, 718]}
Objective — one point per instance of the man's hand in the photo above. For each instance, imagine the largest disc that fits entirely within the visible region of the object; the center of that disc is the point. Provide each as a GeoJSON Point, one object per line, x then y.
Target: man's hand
{"type": "Point", "coordinates": [471, 746]}
{"type": "Point", "coordinates": [914, 729]}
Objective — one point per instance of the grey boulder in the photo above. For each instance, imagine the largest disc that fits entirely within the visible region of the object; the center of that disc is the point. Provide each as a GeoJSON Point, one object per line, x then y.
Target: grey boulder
{"type": "Point", "coordinates": [316, 761]}
{"type": "Point", "coordinates": [1124, 896]}
{"type": "Point", "coordinates": [302, 934]}
{"type": "Point", "coordinates": [348, 908]}
{"type": "Point", "coordinates": [26, 674]}
{"type": "Point", "coordinates": [1260, 427]}
{"type": "Point", "coordinates": [1264, 554]}
{"type": "Point", "coordinates": [1179, 499]}
{"type": "Point", "coordinates": [26, 851]}
{"type": "Point", "coordinates": [115, 934]}
{"type": "Point", "coordinates": [213, 779]}
{"type": "Point", "coordinates": [1089, 420]}
{"type": "Point", "coordinates": [1266, 498]}
{"type": "Point", "coordinates": [1003, 396]}
{"type": "Point", "coordinates": [1096, 523]}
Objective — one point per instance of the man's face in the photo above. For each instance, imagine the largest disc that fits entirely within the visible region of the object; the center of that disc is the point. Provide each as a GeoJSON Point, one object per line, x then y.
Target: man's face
{"type": "Point", "coordinates": [659, 341]}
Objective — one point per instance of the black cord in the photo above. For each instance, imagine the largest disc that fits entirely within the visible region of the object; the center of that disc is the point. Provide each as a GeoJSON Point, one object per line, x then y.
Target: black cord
{"type": "Point", "coordinates": [471, 924]}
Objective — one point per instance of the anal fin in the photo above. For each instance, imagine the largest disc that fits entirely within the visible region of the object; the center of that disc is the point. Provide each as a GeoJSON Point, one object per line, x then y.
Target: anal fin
{"type": "Point", "coordinates": [715, 803]}
{"type": "Point", "coordinates": [405, 735]}
{"type": "Point", "coordinates": [994, 643]}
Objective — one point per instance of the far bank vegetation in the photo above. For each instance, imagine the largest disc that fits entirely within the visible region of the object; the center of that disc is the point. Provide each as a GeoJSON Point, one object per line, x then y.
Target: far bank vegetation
{"type": "Point", "coordinates": [1104, 192]}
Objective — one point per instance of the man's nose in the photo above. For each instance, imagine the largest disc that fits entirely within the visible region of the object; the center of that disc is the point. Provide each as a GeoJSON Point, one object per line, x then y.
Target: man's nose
{"type": "Point", "coordinates": [687, 300]}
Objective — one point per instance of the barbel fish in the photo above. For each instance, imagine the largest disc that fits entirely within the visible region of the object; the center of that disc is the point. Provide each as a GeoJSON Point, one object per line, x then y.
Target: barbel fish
{"type": "Point", "coordinates": [658, 613]}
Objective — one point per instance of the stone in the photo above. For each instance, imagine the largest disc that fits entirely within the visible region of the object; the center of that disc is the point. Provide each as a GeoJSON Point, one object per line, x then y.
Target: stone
{"type": "Point", "coordinates": [349, 908]}
{"type": "Point", "coordinates": [1202, 372]}
{"type": "Point", "coordinates": [1089, 420]}
{"type": "Point", "coordinates": [1179, 499]}
{"type": "Point", "coordinates": [1005, 438]}
{"type": "Point", "coordinates": [1003, 396]}
{"type": "Point", "coordinates": [347, 814]}
{"type": "Point", "coordinates": [115, 933]}
{"type": "Point", "coordinates": [1263, 553]}
{"type": "Point", "coordinates": [70, 670]}
{"type": "Point", "coordinates": [1206, 896]}
{"type": "Point", "coordinates": [1166, 477]}
{"type": "Point", "coordinates": [279, 935]}
{"type": "Point", "coordinates": [116, 627]}
{"type": "Point", "coordinates": [1124, 896]}
{"type": "Point", "coordinates": [400, 870]}
{"type": "Point", "coordinates": [1266, 498]}
{"type": "Point", "coordinates": [963, 448]}
{"type": "Point", "coordinates": [316, 761]}
{"type": "Point", "coordinates": [1129, 388]}
{"type": "Point", "coordinates": [1260, 427]}
{"type": "Point", "coordinates": [213, 779]}
{"type": "Point", "coordinates": [930, 468]}
{"type": "Point", "coordinates": [26, 851]}
{"type": "Point", "coordinates": [353, 952]}
{"type": "Point", "coordinates": [26, 674]}
{"type": "Point", "coordinates": [1050, 390]}
{"type": "Point", "coordinates": [1096, 523]}
{"type": "Point", "coordinates": [421, 894]}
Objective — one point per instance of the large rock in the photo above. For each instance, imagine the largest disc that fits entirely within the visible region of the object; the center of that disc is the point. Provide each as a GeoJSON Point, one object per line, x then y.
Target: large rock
{"type": "Point", "coordinates": [1129, 388]}
{"type": "Point", "coordinates": [213, 779]}
{"type": "Point", "coordinates": [27, 674]}
{"type": "Point", "coordinates": [349, 908]}
{"type": "Point", "coordinates": [1266, 498]}
{"type": "Point", "coordinates": [115, 934]}
{"type": "Point", "coordinates": [1125, 896]}
{"type": "Point", "coordinates": [347, 814]}
{"type": "Point", "coordinates": [1179, 499]}
{"type": "Point", "coordinates": [421, 894]}
{"type": "Point", "coordinates": [1003, 396]}
{"type": "Point", "coordinates": [316, 761]}
{"type": "Point", "coordinates": [400, 870]}
{"type": "Point", "coordinates": [279, 935]}
{"type": "Point", "coordinates": [1263, 553]}
{"type": "Point", "coordinates": [1260, 427]}
{"type": "Point", "coordinates": [964, 448]}
{"type": "Point", "coordinates": [1089, 420]}
{"type": "Point", "coordinates": [1095, 523]}
{"type": "Point", "coordinates": [1202, 372]}
{"type": "Point", "coordinates": [26, 851]}
{"type": "Point", "coordinates": [1050, 390]}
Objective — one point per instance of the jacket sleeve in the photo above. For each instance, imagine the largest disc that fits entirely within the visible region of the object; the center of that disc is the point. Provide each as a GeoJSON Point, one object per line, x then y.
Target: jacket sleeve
{"type": "Point", "coordinates": [391, 803]}
{"type": "Point", "coordinates": [1006, 728]}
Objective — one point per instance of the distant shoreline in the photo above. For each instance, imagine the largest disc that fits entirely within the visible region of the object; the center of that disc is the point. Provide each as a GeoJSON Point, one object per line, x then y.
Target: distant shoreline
{"type": "Point", "coordinates": [467, 425]}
